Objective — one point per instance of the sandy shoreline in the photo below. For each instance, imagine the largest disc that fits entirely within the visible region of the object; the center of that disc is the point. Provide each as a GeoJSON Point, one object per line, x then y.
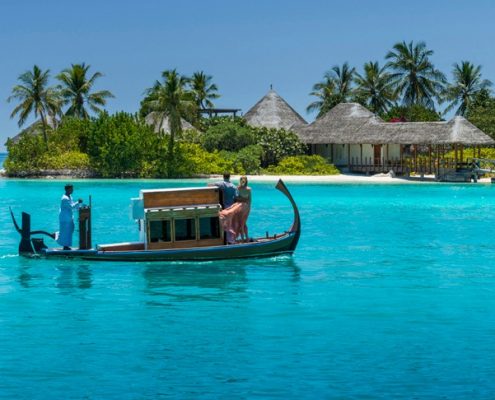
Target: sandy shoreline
{"type": "Point", "coordinates": [344, 178]}
{"type": "Point", "coordinates": [335, 179]}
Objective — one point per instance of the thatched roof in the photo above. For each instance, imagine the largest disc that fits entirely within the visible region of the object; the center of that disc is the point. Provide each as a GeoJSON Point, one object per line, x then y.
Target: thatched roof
{"type": "Point", "coordinates": [272, 111]}
{"type": "Point", "coordinates": [353, 124]}
{"type": "Point", "coordinates": [153, 120]}
{"type": "Point", "coordinates": [36, 128]}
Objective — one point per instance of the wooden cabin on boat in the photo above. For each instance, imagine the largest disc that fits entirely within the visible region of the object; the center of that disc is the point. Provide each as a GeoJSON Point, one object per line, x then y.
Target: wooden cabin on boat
{"type": "Point", "coordinates": [179, 218]}
{"type": "Point", "coordinates": [356, 140]}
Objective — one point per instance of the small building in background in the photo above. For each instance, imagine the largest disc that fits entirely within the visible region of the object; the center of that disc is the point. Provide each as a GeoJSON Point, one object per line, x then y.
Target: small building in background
{"type": "Point", "coordinates": [356, 140]}
{"type": "Point", "coordinates": [272, 111]}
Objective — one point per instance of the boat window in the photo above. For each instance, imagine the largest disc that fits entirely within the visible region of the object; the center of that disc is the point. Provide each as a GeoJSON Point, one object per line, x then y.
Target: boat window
{"type": "Point", "coordinates": [160, 231]}
{"type": "Point", "coordinates": [185, 229]}
{"type": "Point", "coordinates": [209, 228]}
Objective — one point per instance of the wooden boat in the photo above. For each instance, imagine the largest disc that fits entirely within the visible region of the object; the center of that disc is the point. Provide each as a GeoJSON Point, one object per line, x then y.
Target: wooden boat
{"type": "Point", "coordinates": [175, 225]}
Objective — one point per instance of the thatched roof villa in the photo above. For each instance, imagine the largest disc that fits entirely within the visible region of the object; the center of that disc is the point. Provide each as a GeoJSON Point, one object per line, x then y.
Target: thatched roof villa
{"type": "Point", "coordinates": [351, 136]}
{"type": "Point", "coordinates": [272, 111]}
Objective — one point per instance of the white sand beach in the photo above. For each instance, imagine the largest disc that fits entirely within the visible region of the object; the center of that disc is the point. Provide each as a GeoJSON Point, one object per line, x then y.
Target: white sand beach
{"type": "Point", "coordinates": [342, 178]}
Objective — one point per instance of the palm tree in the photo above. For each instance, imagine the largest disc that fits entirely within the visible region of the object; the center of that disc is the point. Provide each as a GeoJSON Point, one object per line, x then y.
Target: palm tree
{"type": "Point", "coordinates": [415, 76]}
{"type": "Point", "coordinates": [335, 88]}
{"type": "Point", "coordinates": [467, 84]}
{"type": "Point", "coordinates": [170, 99]}
{"type": "Point", "coordinates": [203, 90]}
{"type": "Point", "coordinates": [375, 87]}
{"type": "Point", "coordinates": [76, 91]}
{"type": "Point", "coordinates": [35, 97]}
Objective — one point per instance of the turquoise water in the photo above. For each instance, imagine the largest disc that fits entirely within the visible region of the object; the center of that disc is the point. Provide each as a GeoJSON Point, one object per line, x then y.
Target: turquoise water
{"type": "Point", "coordinates": [391, 294]}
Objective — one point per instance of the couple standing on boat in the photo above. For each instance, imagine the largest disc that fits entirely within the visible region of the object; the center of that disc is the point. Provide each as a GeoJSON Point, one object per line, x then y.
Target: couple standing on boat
{"type": "Point", "coordinates": [236, 207]}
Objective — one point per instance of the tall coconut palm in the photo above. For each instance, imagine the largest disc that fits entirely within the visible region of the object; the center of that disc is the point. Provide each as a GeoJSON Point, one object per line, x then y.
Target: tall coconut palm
{"type": "Point", "coordinates": [335, 88]}
{"type": "Point", "coordinates": [170, 99]}
{"type": "Point", "coordinates": [35, 97]}
{"type": "Point", "coordinates": [76, 91]}
{"type": "Point", "coordinates": [375, 87]}
{"type": "Point", "coordinates": [414, 74]}
{"type": "Point", "coordinates": [204, 91]}
{"type": "Point", "coordinates": [467, 84]}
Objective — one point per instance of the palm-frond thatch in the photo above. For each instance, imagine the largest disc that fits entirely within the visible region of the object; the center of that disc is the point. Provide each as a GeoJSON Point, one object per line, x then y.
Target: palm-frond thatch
{"type": "Point", "coordinates": [272, 111]}
{"type": "Point", "coordinates": [153, 119]}
{"type": "Point", "coordinates": [351, 123]}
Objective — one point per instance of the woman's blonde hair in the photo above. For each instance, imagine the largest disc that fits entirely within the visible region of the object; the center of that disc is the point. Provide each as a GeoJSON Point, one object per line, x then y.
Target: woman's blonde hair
{"type": "Point", "coordinates": [243, 178]}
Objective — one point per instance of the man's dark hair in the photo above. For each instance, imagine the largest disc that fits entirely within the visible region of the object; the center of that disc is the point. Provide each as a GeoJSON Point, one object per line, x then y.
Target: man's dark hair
{"type": "Point", "coordinates": [68, 186]}
{"type": "Point", "coordinates": [226, 176]}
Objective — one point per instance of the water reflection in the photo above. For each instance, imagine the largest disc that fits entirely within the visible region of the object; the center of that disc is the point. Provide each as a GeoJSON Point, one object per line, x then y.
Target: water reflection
{"type": "Point", "coordinates": [205, 281]}
{"type": "Point", "coordinates": [213, 281]}
{"type": "Point", "coordinates": [73, 277]}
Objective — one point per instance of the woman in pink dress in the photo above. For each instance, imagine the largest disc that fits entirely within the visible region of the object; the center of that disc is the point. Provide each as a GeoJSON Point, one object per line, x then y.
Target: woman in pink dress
{"type": "Point", "coordinates": [234, 218]}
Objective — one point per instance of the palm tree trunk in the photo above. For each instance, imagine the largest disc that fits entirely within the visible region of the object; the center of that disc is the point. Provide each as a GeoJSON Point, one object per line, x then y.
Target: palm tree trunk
{"type": "Point", "coordinates": [44, 126]}
{"type": "Point", "coordinates": [175, 129]}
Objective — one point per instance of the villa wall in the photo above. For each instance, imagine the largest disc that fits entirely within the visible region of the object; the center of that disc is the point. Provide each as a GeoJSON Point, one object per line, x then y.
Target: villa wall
{"type": "Point", "coordinates": [338, 153]}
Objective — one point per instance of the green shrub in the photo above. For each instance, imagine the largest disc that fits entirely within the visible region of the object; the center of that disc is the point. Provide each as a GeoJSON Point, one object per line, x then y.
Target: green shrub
{"type": "Point", "coordinates": [229, 136]}
{"type": "Point", "coordinates": [277, 144]}
{"type": "Point", "coordinates": [121, 144]}
{"type": "Point", "coordinates": [25, 154]}
{"type": "Point", "coordinates": [71, 135]}
{"type": "Point", "coordinates": [303, 165]}
{"type": "Point", "coordinates": [248, 160]}
{"type": "Point", "coordinates": [68, 160]}
{"type": "Point", "coordinates": [192, 160]}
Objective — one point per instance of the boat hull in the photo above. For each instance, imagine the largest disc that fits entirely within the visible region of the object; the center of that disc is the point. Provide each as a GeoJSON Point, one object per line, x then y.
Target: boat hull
{"type": "Point", "coordinates": [285, 244]}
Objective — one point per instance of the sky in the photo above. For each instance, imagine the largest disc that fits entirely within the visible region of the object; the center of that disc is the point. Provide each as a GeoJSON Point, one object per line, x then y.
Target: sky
{"type": "Point", "coordinates": [245, 45]}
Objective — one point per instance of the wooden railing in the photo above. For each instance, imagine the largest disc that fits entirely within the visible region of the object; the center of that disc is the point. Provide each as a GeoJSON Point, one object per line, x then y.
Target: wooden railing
{"type": "Point", "coordinates": [406, 166]}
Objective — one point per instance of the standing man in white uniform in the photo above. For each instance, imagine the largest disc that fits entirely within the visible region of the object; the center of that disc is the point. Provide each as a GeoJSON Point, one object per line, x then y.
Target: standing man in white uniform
{"type": "Point", "coordinates": [65, 218]}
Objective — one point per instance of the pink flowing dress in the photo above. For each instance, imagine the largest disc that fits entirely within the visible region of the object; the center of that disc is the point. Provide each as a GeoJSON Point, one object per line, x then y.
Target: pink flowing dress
{"type": "Point", "coordinates": [235, 217]}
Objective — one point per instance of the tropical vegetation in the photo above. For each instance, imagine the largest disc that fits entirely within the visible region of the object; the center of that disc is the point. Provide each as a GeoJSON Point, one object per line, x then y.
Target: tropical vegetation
{"type": "Point", "coordinates": [467, 83]}
{"type": "Point", "coordinates": [408, 87]}
{"type": "Point", "coordinates": [76, 91]}
{"type": "Point", "coordinates": [35, 97]}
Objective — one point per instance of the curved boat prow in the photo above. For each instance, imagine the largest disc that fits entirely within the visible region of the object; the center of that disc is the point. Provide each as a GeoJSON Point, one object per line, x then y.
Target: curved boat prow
{"type": "Point", "coordinates": [296, 225]}
{"type": "Point", "coordinates": [29, 245]}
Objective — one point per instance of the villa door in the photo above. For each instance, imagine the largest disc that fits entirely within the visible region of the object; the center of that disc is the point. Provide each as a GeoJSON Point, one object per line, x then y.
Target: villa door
{"type": "Point", "coordinates": [377, 152]}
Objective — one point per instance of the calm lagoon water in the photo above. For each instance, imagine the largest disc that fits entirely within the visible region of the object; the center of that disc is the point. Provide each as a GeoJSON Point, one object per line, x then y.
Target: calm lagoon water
{"type": "Point", "coordinates": [391, 294]}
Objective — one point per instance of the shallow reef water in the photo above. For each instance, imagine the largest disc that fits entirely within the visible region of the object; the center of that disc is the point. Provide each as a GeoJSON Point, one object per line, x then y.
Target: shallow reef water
{"type": "Point", "coordinates": [390, 294]}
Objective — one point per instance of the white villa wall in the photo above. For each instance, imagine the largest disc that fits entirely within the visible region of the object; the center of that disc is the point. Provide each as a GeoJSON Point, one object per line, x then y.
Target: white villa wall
{"type": "Point", "coordinates": [338, 153]}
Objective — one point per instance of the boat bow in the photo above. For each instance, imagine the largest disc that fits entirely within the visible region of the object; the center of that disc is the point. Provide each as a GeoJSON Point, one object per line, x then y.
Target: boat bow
{"type": "Point", "coordinates": [296, 225]}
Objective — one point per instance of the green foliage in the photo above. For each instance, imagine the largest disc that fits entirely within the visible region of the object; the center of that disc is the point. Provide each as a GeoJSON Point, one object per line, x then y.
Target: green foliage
{"type": "Point", "coordinates": [206, 123]}
{"type": "Point", "coordinates": [249, 159]}
{"type": "Point", "coordinates": [413, 113]}
{"type": "Point", "coordinates": [245, 161]}
{"type": "Point", "coordinates": [303, 165]}
{"type": "Point", "coordinates": [71, 135]}
{"type": "Point", "coordinates": [229, 136]}
{"type": "Point", "coordinates": [277, 144]}
{"type": "Point", "coordinates": [122, 145]}
{"type": "Point", "coordinates": [335, 88]}
{"type": "Point", "coordinates": [481, 112]}
{"type": "Point", "coordinates": [67, 160]}
{"type": "Point", "coordinates": [25, 154]}
{"type": "Point", "coordinates": [193, 160]}
{"type": "Point", "coordinates": [76, 90]}
{"type": "Point", "coordinates": [30, 155]}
